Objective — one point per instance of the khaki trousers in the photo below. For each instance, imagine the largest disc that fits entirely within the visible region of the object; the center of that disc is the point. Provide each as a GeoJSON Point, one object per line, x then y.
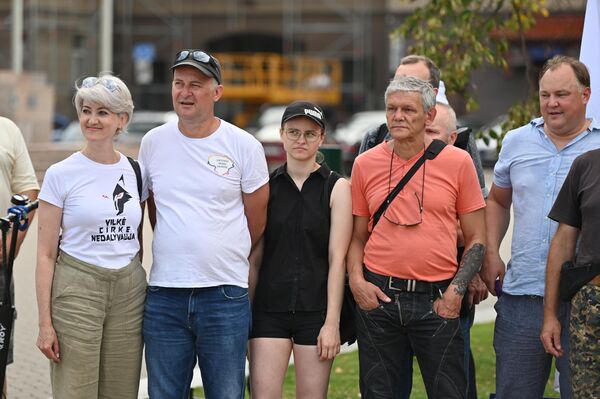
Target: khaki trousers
{"type": "Point", "coordinates": [97, 314]}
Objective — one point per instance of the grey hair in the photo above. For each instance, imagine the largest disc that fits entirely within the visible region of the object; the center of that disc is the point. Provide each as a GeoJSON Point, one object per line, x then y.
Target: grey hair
{"type": "Point", "coordinates": [451, 120]}
{"type": "Point", "coordinates": [118, 101]}
{"type": "Point", "coordinates": [412, 84]}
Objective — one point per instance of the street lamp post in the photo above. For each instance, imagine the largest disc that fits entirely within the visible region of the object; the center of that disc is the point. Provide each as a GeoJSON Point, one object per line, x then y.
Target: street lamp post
{"type": "Point", "coordinates": [17, 36]}
{"type": "Point", "coordinates": [106, 35]}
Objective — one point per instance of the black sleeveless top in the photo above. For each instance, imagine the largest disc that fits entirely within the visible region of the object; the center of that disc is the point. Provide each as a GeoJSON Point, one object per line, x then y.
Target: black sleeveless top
{"type": "Point", "coordinates": [295, 265]}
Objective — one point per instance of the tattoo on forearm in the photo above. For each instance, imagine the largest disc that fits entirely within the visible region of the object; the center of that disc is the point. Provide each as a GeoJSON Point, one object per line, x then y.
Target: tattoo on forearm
{"type": "Point", "coordinates": [469, 265]}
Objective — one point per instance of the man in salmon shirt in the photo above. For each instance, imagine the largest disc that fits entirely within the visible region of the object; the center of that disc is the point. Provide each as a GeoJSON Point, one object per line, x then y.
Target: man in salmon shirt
{"type": "Point", "coordinates": [403, 271]}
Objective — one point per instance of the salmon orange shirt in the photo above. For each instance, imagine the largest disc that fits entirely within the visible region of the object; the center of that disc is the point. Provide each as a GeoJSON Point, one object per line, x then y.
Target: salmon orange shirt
{"type": "Point", "coordinates": [407, 243]}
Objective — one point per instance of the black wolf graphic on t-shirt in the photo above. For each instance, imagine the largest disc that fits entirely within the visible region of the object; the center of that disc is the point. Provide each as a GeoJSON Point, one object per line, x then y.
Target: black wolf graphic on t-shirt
{"type": "Point", "coordinates": [120, 196]}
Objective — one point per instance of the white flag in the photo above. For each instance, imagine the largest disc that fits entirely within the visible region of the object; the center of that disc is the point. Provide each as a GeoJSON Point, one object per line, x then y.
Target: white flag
{"type": "Point", "coordinates": [590, 54]}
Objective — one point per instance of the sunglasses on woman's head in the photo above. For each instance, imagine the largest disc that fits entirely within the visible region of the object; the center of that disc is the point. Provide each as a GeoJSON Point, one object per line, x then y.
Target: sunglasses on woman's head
{"type": "Point", "coordinates": [106, 83]}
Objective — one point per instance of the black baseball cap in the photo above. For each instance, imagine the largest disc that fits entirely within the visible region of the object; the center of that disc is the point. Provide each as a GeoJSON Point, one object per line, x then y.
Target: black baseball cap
{"type": "Point", "coordinates": [304, 108]}
{"type": "Point", "coordinates": [204, 62]}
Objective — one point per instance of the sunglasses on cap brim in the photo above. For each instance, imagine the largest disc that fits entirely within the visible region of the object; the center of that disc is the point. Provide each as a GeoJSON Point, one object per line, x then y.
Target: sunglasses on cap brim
{"type": "Point", "coordinates": [203, 58]}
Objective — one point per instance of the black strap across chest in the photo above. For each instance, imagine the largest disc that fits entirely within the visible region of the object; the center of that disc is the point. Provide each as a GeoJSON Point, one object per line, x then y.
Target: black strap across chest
{"type": "Point", "coordinates": [431, 152]}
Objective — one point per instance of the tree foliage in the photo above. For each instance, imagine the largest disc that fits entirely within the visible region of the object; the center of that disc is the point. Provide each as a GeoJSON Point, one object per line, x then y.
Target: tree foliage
{"type": "Point", "coordinates": [464, 35]}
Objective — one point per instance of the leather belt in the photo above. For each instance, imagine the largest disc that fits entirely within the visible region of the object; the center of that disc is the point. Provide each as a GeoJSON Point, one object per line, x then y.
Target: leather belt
{"type": "Point", "coordinates": [417, 286]}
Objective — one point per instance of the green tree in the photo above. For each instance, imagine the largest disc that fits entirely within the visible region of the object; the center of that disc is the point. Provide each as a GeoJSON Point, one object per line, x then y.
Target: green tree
{"type": "Point", "coordinates": [464, 35]}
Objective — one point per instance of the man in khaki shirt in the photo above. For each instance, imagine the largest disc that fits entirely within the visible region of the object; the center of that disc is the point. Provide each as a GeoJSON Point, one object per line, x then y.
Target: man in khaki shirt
{"type": "Point", "coordinates": [16, 177]}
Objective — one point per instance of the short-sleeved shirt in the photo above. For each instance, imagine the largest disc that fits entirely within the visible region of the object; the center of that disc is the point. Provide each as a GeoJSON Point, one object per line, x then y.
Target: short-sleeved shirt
{"type": "Point", "coordinates": [447, 187]}
{"type": "Point", "coordinates": [295, 265]}
{"type": "Point", "coordinates": [531, 165]}
{"type": "Point", "coordinates": [371, 137]}
{"type": "Point", "coordinates": [16, 171]}
{"type": "Point", "coordinates": [578, 205]}
{"type": "Point", "coordinates": [100, 206]}
{"type": "Point", "coordinates": [201, 237]}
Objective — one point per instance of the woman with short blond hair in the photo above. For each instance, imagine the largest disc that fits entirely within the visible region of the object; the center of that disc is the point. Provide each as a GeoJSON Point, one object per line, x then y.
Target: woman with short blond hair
{"type": "Point", "coordinates": [89, 279]}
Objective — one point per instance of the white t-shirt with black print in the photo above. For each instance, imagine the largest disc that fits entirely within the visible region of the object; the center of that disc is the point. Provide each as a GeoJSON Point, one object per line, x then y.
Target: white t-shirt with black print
{"type": "Point", "coordinates": [101, 209]}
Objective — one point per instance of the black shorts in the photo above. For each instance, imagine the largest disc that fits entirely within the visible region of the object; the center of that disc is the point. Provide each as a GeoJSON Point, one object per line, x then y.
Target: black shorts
{"type": "Point", "coordinates": [301, 327]}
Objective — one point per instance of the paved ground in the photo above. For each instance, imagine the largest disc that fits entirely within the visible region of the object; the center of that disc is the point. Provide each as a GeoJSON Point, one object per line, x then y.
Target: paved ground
{"type": "Point", "coordinates": [28, 377]}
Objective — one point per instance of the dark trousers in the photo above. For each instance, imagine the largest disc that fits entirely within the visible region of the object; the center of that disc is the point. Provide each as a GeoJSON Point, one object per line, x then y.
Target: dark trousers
{"type": "Point", "coordinates": [387, 333]}
{"type": "Point", "coordinates": [466, 322]}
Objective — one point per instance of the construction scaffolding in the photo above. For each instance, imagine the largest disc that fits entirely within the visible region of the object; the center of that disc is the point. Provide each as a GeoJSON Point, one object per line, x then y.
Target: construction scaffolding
{"type": "Point", "coordinates": [62, 39]}
{"type": "Point", "coordinates": [351, 32]}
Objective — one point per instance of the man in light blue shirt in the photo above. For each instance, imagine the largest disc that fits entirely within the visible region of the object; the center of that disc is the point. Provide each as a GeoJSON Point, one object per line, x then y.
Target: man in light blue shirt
{"type": "Point", "coordinates": [530, 171]}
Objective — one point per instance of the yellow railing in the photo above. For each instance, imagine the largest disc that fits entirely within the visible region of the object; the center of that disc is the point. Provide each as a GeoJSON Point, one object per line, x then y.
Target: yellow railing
{"type": "Point", "coordinates": [272, 78]}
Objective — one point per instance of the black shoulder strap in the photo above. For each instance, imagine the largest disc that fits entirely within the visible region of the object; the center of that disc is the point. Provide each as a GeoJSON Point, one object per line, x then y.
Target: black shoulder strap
{"type": "Point", "coordinates": [138, 174]}
{"type": "Point", "coordinates": [382, 131]}
{"type": "Point", "coordinates": [328, 184]}
{"type": "Point", "coordinates": [431, 152]}
{"type": "Point", "coordinates": [462, 137]}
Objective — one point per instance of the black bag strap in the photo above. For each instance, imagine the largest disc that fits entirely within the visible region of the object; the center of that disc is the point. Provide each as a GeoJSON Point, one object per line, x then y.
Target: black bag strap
{"type": "Point", "coordinates": [328, 185]}
{"type": "Point", "coordinates": [431, 152]}
{"type": "Point", "coordinates": [382, 131]}
{"type": "Point", "coordinates": [376, 136]}
{"type": "Point", "coordinates": [462, 137]}
{"type": "Point", "coordinates": [138, 174]}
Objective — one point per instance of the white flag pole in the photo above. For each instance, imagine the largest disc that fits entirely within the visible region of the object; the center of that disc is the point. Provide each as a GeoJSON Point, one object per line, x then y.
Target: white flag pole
{"type": "Point", "coordinates": [590, 54]}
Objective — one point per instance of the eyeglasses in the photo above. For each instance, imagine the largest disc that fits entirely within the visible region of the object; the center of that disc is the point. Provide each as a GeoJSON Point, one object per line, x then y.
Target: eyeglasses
{"type": "Point", "coordinates": [200, 56]}
{"type": "Point", "coordinates": [402, 211]}
{"type": "Point", "coordinates": [106, 83]}
{"type": "Point", "coordinates": [310, 135]}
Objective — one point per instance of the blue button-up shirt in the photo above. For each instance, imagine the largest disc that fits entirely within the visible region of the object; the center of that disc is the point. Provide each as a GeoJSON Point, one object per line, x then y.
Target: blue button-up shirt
{"type": "Point", "coordinates": [535, 169]}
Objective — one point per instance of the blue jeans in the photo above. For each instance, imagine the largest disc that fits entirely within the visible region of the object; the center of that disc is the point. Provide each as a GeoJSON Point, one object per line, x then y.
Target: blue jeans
{"type": "Point", "coordinates": [386, 335]}
{"type": "Point", "coordinates": [522, 364]}
{"type": "Point", "coordinates": [208, 324]}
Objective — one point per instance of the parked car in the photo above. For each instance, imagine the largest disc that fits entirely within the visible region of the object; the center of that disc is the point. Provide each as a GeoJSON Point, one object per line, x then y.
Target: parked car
{"type": "Point", "coordinates": [358, 125]}
{"type": "Point", "coordinates": [144, 121]}
{"type": "Point", "coordinates": [268, 115]}
{"type": "Point", "coordinates": [350, 135]}
{"type": "Point", "coordinates": [141, 123]}
{"type": "Point", "coordinates": [268, 136]}
{"type": "Point", "coordinates": [268, 132]}
{"type": "Point", "coordinates": [71, 134]}
{"type": "Point", "coordinates": [488, 151]}
{"type": "Point", "coordinates": [59, 123]}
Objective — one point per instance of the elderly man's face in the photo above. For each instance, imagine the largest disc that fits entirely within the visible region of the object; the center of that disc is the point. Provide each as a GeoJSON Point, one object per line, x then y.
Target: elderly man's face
{"type": "Point", "coordinates": [442, 127]}
{"type": "Point", "coordinates": [406, 118]}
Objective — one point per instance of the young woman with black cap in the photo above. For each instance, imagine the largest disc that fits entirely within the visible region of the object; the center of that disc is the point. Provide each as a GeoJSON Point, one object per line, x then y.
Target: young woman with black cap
{"type": "Point", "coordinates": [299, 267]}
